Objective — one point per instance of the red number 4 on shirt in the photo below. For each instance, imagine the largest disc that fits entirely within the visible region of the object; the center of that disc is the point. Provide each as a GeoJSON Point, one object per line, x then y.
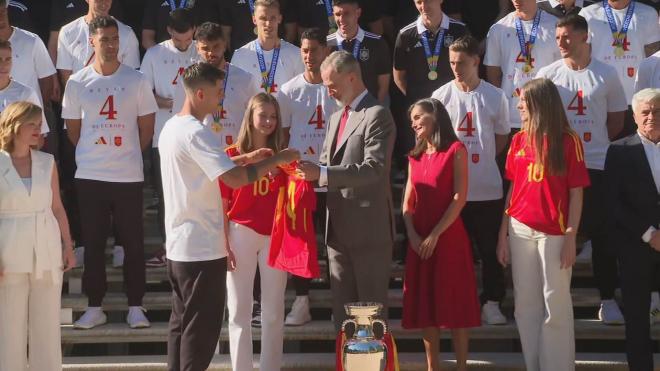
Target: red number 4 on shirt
{"type": "Point", "coordinates": [108, 108]}
{"type": "Point", "coordinates": [577, 104]}
{"type": "Point", "coordinates": [317, 117]}
{"type": "Point", "coordinates": [466, 125]}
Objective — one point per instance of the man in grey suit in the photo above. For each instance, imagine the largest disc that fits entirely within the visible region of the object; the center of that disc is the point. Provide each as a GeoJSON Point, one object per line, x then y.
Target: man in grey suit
{"type": "Point", "coordinates": [355, 166]}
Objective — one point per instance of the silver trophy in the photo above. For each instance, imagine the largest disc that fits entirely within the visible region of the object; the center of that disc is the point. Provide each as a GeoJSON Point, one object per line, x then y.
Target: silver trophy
{"type": "Point", "coordinates": [362, 351]}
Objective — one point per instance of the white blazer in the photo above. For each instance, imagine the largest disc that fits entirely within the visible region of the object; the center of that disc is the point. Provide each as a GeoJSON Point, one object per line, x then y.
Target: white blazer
{"type": "Point", "coordinates": [30, 239]}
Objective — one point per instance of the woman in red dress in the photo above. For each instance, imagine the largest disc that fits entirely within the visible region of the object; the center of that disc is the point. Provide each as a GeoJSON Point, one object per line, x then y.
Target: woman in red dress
{"type": "Point", "coordinates": [440, 289]}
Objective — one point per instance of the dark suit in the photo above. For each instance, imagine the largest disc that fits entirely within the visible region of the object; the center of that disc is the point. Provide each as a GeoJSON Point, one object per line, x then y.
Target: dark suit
{"type": "Point", "coordinates": [359, 228]}
{"type": "Point", "coordinates": [634, 207]}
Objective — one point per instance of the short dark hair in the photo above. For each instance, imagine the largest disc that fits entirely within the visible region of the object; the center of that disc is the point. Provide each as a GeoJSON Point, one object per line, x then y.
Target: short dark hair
{"type": "Point", "coordinates": [443, 134]}
{"type": "Point", "coordinates": [314, 34]}
{"type": "Point", "coordinates": [575, 21]}
{"type": "Point", "coordinates": [209, 31]}
{"type": "Point", "coordinates": [102, 21]}
{"type": "Point", "coordinates": [466, 44]}
{"type": "Point", "coordinates": [201, 73]}
{"type": "Point", "coordinates": [5, 44]}
{"type": "Point", "coordinates": [343, 2]}
{"type": "Point", "coordinates": [181, 20]}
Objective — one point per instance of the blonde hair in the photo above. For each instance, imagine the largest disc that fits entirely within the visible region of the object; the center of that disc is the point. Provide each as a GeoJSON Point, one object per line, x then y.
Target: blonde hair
{"type": "Point", "coordinates": [244, 142]}
{"type": "Point", "coordinates": [12, 118]}
{"type": "Point", "coordinates": [546, 125]}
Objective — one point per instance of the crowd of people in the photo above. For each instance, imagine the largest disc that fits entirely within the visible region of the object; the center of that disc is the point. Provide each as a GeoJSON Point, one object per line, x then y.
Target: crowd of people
{"type": "Point", "coordinates": [520, 143]}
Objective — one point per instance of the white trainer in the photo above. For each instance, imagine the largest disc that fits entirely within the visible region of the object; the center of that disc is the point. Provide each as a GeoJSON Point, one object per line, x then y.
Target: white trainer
{"type": "Point", "coordinates": [117, 256]}
{"type": "Point", "coordinates": [491, 314]}
{"type": "Point", "coordinates": [299, 314]}
{"type": "Point", "coordinates": [136, 318]}
{"type": "Point", "coordinates": [92, 317]}
{"type": "Point", "coordinates": [79, 252]}
{"type": "Point", "coordinates": [609, 313]}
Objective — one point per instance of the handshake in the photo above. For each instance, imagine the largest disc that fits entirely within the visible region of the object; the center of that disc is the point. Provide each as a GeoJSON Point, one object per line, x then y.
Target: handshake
{"type": "Point", "coordinates": [306, 170]}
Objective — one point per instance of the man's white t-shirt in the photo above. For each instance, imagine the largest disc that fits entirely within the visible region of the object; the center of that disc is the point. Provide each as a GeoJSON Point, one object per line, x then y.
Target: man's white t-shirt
{"type": "Point", "coordinates": [289, 63]}
{"type": "Point", "coordinates": [648, 74]}
{"type": "Point", "coordinates": [74, 51]}
{"type": "Point", "coordinates": [477, 116]}
{"type": "Point", "coordinates": [191, 160]}
{"type": "Point", "coordinates": [16, 92]}
{"type": "Point", "coordinates": [503, 50]}
{"type": "Point", "coordinates": [30, 59]}
{"type": "Point", "coordinates": [588, 95]}
{"type": "Point", "coordinates": [643, 30]}
{"type": "Point", "coordinates": [163, 67]}
{"type": "Point", "coordinates": [306, 111]}
{"type": "Point", "coordinates": [109, 146]}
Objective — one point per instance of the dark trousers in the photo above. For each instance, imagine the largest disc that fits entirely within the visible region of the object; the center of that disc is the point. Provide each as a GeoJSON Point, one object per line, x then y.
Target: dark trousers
{"type": "Point", "coordinates": [302, 284]}
{"type": "Point", "coordinates": [101, 204]}
{"type": "Point", "coordinates": [67, 170]}
{"type": "Point", "coordinates": [639, 263]}
{"type": "Point", "coordinates": [592, 226]}
{"type": "Point", "coordinates": [482, 221]}
{"type": "Point", "coordinates": [198, 304]}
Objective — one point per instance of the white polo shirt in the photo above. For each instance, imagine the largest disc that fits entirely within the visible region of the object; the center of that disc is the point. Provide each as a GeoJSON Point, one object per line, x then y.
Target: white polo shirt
{"type": "Point", "coordinates": [648, 74]}
{"type": "Point", "coordinates": [191, 161]}
{"type": "Point", "coordinates": [163, 66]}
{"type": "Point", "coordinates": [16, 92]}
{"type": "Point", "coordinates": [643, 30]}
{"type": "Point", "coordinates": [588, 95]}
{"type": "Point", "coordinates": [74, 51]}
{"type": "Point", "coordinates": [109, 146]}
{"type": "Point", "coordinates": [477, 116]}
{"type": "Point", "coordinates": [503, 50]}
{"type": "Point", "coordinates": [30, 59]}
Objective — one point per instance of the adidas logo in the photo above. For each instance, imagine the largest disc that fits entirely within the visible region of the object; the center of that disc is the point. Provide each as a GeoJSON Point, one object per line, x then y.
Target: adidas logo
{"type": "Point", "coordinates": [70, 6]}
{"type": "Point", "coordinates": [241, 2]}
{"type": "Point", "coordinates": [320, 2]}
{"type": "Point", "coordinates": [165, 3]}
{"type": "Point", "coordinates": [418, 45]}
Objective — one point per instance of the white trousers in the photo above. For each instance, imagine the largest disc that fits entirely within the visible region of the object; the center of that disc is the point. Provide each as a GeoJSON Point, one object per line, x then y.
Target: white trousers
{"type": "Point", "coordinates": [251, 249]}
{"type": "Point", "coordinates": [542, 292]}
{"type": "Point", "coordinates": [30, 319]}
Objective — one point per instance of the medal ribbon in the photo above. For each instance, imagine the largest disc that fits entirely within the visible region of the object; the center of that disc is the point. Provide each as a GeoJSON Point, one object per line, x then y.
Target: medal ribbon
{"type": "Point", "coordinates": [620, 35]}
{"type": "Point", "coordinates": [356, 47]}
{"type": "Point", "coordinates": [527, 53]}
{"type": "Point", "coordinates": [218, 114]}
{"type": "Point", "coordinates": [432, 57]}
{"type": "Point", "coordinates": [328, 10]}
{"type": "Point", "coordinates": [251, 4]}
{"type": "Point", "coordinates": [268, 77]}
{"type": "Point", "coordinates": [173, 4]}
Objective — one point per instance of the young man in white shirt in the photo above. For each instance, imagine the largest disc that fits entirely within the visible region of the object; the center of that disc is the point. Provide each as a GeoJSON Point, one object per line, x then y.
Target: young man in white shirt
{"type": "Point", "coordinates": [272, 60]}
{"type": "Point", "coordinates": [648, 73]}
{"type": "Point", "coordinates": [109, 110]}
{"type": "Point", "coordinates": [163, 67]}
{"type": "Point", "coordinates": [306, 110]}
{"type": "Point", "coordinates": [595, 105]}
{"type": "Point", "coordinates": [198, 255]}
{"type": "Point", "coordinates": [480, 115]}
{"type": "Point", "coordinates": [517, 46]}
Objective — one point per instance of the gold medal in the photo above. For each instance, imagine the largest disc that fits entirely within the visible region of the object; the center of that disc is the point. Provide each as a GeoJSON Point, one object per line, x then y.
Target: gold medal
{"type": "Point", "coordinates": [432, 75]}
{"type": "Point", "coordinates": [618, 50]}
{"type": "Point", "coordinates": [527, 68]}
{"type": "Point", "coordinates": [256, 31]}
{"type": "Point", "coordinates": [216, 127]}
{"type": "Point", "coordinates": [332, 30]}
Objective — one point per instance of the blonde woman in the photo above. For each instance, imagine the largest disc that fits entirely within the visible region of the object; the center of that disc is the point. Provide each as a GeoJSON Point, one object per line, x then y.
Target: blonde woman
{"type": "Point", "coordinates": [546, 168]}
{"type": "Point", "coordinates": [250, 213]}
{"type": "Point", "coordinates": [35, 247]}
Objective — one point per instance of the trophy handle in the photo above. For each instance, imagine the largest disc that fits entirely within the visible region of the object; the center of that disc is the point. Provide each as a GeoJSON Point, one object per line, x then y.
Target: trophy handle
{"type": "Point", "coordinates": [382, 323]}
{"type": "Point", "coordinates": [346, 322]}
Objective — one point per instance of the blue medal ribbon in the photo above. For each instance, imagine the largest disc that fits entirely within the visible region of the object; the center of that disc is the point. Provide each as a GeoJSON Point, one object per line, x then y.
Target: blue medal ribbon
{"type": "Point", "coordinates": [432, 57]}
{"type": "Point", "coordinates": [218, 115]}
{"type": "Point", "coordinates": [173, 6]}
{"type": "Point", "coordinates": [520, 32]}
{"type": "Point", "coordinates": [328, 7]}
{"type": "Point", "coordinates": [268, 77]}
{"type": "Point", "coordinates": [619, 36]}
{"type": "Point", "coordinates": [251, 4]}
{"type": "Point", "coordinates": [356, 47]}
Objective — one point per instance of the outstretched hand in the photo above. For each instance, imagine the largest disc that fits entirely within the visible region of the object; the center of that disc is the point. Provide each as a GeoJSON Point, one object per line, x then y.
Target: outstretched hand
{"type": "Point", "coordinates": [308, 171]}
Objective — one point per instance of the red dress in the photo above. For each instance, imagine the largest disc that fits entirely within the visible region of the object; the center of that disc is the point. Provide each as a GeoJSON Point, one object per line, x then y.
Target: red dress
{"type": "Point", "coordinates": [440, 291]}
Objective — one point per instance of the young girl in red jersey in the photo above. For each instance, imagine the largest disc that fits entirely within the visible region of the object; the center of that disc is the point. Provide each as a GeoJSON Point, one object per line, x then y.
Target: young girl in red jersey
{"type": "Point", "coordinates": [250, 213]}
{"type": "Point", "coordinates": [440, 290]}
{"type": "Point", "coordinates": [545, 165]}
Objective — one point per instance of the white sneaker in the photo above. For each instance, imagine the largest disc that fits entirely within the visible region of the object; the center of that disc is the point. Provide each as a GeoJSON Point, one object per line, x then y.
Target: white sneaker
{"type": "Point", "coordinates": [491, 314]}
{"type": "Point", "coordinates": [118, 256]}
{"type": "Point", "coordinates": [79, 252]}
{"type": "Point", "coordinates": [585, 254]}
{"type": "Point", "coordinates": [299, 314]}
{"type": "Point", "coordinates": [609, 313]}
{"type": "Point", "coordinates": [92, 317]}
{"type": "Point", "coordinates": [136, 318]}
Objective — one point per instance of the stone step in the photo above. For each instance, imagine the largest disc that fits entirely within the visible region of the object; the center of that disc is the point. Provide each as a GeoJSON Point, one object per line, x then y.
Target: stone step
{"type": "Point", "coordinates": [321, 298]}
{"type": "Point", "coordinates": [326, 362]}
{"type": "Point", "coordinates": [324, 331]}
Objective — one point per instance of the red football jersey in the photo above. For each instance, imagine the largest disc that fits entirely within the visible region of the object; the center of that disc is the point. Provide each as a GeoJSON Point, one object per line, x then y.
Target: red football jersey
{"type": "Point", "coordinates": [539, 200]}
{"type": "Point", "coordinates": [253, 205]}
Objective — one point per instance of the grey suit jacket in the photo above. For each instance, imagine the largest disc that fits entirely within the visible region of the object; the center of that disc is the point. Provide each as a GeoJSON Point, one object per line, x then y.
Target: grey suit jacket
{"type": "Point", "coordinates": [359, 200]}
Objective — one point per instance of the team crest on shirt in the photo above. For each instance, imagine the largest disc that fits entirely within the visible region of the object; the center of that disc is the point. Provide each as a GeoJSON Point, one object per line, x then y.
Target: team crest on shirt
{"type": "Point", "coordinates": [449, 39]}
{"type": "Point", "coordinates": [118, 141]}
{"type": "Point", "coordinates": [475, 158]}
{"type": "Point", "coordinates": [631, 71]}
{"type": "Point", "coordinates": [587, 136]}
{"type": "Point", "coordinates": [364, 54]}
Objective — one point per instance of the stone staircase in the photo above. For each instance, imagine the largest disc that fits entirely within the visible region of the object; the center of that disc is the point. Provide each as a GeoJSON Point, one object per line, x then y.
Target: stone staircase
{"type": "Point", "coordinates": [311, 347]}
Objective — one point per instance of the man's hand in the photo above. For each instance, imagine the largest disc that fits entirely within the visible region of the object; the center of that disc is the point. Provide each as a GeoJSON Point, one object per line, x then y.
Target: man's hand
{"type": "Point", "coordinates": [308, 171]}
{"type": "Point", "coordinates": [655, 241]}
{"type": "Point", "coordinates": [287, 156]}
